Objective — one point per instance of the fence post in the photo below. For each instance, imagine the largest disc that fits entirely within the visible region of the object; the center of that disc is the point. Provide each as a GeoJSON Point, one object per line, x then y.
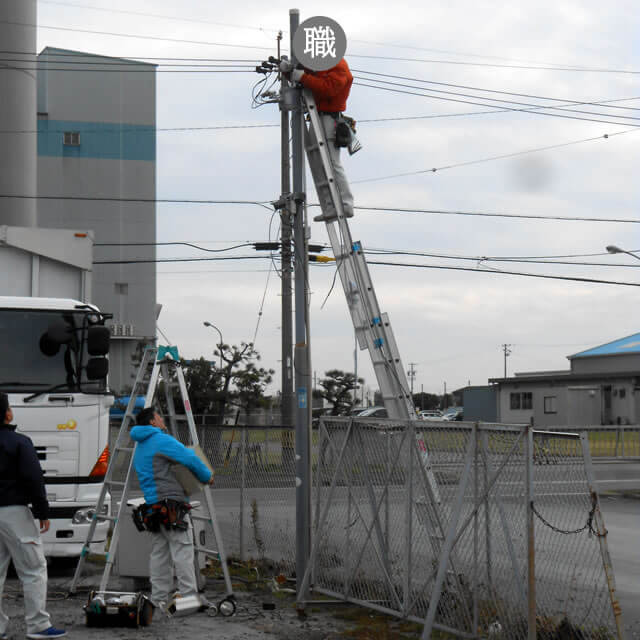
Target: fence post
{"type": "Point", "coordinates": [243, 442]}
{"type": "Point", "coordinates": [601, 533]}
{"type": "Point", "coordinates": [487, 514]}
{"type": "Point", "coordinates": [531, 550]}
{"type": "Point", "coordinates": [475, 530]}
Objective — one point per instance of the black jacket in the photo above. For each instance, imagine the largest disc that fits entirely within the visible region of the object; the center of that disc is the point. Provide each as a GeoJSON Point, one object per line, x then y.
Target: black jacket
{"type": "Point", "coordinates": [21, 479]}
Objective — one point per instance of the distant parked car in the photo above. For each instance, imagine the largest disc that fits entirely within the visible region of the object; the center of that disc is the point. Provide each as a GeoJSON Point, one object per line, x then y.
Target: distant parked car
{"type": "Point", "coordinates": [431, 414]}
{"type": "Point", "coordinates": [373, 412]}
{"type": "Point", "coordinates": [454, 414]}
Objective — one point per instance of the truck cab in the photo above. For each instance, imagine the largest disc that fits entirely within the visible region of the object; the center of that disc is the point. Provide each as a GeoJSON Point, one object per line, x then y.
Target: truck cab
{"type": "Point", "coordinates": [54, 369]}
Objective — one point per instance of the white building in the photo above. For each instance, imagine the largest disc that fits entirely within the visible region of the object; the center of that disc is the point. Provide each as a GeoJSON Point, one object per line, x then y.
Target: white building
{"type": "Point", "coordinates": [97, 153]}
{"type": "Point", "coordinates": [601, 387]}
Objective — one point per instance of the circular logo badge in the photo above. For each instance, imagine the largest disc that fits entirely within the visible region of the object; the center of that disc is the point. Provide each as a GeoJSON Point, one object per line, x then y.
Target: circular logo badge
{"type": "Point", "coordinates": [319, 43]}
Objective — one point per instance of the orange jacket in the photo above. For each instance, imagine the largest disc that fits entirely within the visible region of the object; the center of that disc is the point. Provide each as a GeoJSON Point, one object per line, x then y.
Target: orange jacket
{"type": "Point", "coordinates": [330, 88]}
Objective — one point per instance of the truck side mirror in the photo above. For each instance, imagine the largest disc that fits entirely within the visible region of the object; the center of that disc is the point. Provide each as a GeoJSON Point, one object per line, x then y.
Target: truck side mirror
{"type": "Point", "coordinates": [98, 339]}
{"type": "Point", "coordinates": [97, 368]}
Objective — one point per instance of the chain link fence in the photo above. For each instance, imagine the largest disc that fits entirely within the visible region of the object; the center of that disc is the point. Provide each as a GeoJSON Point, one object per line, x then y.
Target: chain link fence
{"type": "Point", "coordinates": [477, 530]}
{"type": "Point", "coordinates": [443, 525]}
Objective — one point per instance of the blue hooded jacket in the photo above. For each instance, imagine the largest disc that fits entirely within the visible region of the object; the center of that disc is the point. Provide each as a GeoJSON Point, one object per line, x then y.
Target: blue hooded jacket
{"type": "Point", "coordinates": [155, 454]}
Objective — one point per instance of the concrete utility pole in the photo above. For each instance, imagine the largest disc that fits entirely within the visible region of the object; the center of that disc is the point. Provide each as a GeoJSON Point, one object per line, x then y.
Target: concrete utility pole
{"type": "Point", "coordinates": [507, 353]}
{"type": "Point", "coordinates": [302, 359]}
{"type": "Point", "coordinates": [412, 375]}
{"type": "Point", "coordinates": [287, 397]}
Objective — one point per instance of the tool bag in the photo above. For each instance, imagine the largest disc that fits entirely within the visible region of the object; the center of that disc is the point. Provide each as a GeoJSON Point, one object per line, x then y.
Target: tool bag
{"type": "Point", "coordinates": [170, 514]}
{"type": "Point", "coordinates": [345, 130]}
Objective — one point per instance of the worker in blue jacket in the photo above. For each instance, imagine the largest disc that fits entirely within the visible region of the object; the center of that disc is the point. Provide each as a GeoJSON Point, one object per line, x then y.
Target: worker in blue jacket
{"type": "Point", "coordinates": [21, 485]}
{"type": "Point", "coordinates": [172, 539]}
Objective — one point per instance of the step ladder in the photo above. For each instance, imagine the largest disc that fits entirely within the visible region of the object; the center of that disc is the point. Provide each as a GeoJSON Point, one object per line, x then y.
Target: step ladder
{"type": "Point", "coordinates": [158, 364]}
{"type": "Point", "coordinates": [372, 327]}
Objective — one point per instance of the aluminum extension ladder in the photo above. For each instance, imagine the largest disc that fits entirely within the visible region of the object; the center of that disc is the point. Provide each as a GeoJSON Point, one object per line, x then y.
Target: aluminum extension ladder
{"type": "Point", "coordinates": [157, 364]}
{"type": "Point", "coordinates": [372, 327]}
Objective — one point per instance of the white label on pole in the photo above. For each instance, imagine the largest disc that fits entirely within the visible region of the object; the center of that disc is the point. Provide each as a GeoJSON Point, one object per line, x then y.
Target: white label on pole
{"type": "Point", "coordinates": [298, 482]}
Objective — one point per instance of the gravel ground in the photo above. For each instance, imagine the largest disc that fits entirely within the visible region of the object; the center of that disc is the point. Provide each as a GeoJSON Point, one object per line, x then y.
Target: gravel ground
{"type": "Point", "coordinates": [251, 621]}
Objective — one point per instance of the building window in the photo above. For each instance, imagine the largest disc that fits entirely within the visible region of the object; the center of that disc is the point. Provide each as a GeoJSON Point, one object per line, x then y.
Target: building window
{"type": "Point", "coordinates": [550, 404]}
{"type": "Point", "coordinates": [122, 288]}
{"type": "Point", "coordinates": [622, 393]}
{"type": "Point", "coordinates": [522, 400]}
{"type": "Point", "coordinates": [71, 138]}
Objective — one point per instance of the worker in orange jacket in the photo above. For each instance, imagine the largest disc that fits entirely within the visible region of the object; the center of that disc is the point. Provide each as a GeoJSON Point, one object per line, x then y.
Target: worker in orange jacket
{"type": "Point", "coordinates": [330, 90]}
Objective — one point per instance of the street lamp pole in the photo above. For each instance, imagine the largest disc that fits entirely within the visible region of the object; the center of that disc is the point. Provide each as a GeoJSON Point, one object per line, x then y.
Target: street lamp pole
{"type": "Point", "coordinates": [613, 249]}
{"type": "Point", "coordinates": [206, 323]}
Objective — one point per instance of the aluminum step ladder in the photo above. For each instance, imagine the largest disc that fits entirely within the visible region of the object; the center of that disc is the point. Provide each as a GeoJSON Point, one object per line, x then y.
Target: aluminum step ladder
{"type": "Point", "coordinates": [158, 364]}
{"type": "Point", "coordinates": [372, 327]}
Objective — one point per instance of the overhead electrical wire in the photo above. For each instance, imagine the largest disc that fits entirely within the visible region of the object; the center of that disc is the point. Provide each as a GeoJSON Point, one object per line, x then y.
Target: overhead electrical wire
{"type": "Point", "coordinates": [496, 65]}
{"type": "Point", "coordinates": [134, 35]}
{"type": "Point", "coordinates": [351, 55]}
{"type": "Point", "coordinates": [506, 273]}
{"type": "Point", "coordinates": [509, 93]}
{"type": "Point", "coordinates": [266, 204]}
{"type": "Point", "coordinates": [384, 263]}
{"type": "Point", "coordinates": [156, 15]}
{"type": "Point", "coordinates": [174, 18]}
{"type": "Point", "coordinates": [535, 110]}
{"type": "Point", "coordinates": [503, 156]}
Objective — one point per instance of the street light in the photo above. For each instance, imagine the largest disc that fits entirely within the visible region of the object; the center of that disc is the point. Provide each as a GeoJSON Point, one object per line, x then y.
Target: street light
{"type": "Point", "coordinates": [613, 249]}
{"type": "Point", "coordinates": [206, 323]}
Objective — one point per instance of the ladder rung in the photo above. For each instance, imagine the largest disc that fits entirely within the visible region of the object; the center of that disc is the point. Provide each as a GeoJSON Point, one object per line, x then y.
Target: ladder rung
{"type": "Point", "coordinates": [116, 483]}
{"type": "Point", "coordinates": [106, 518]}
{"type": "Point", "coordinates": [123, 449]}
{"type": "Point", "coordinates": [202, 518]}
{"type": "Point", "coordinates": [209, 552]}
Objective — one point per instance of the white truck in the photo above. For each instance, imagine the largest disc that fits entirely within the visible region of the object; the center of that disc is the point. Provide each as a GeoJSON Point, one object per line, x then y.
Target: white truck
{"type": "Point", "coordinates": [54, 367]}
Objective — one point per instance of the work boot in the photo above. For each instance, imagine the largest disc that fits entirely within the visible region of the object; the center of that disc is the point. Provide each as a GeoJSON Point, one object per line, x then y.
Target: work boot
{"type": "Point", "coordinates": [348, 213]}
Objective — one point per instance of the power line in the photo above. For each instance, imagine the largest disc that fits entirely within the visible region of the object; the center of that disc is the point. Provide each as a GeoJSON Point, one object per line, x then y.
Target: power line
{"type": "Point", "coordinates": [534, 110]}
{"type": "Point", "coordinates": [510, 93]}
{"type": "Point", "coordinates": [505, 273]}
{"type": "Point", "coordinates": [136, 36]}
{"type": "Point", "coordinates": [165, 244]}
{"type": "Point", "coordinates": [605, 136]}
{"type": "Point", "coordinates": [497, 215]}
{"type": "Point", "coordinates": [135, 59]}
{"type": "Point", "coordinates": [501, 66]}
{"type": "Point", "coordinates": [264, 30]}
{"type": "Point", "coordinates": [266, 204]}
{"type": "Point", "coordinates": [156, 15]}
{"type": "Point", "coordinates": [389, 264]}
{"type": "Point", "coordinates": [137, 131]}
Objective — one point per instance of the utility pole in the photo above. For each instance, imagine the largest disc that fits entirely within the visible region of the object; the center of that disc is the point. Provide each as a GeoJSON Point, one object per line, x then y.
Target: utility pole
{"type": "Point", "coordinates": [412, 374]}
{"type": "Point", "coordinates": [287, 397]}
{"type": "Point", "coordinates": [302, 359]}
{"type": "Point", "coordinates": [507, 353]}
{"type": "Point", "coordinates": [355, 371]}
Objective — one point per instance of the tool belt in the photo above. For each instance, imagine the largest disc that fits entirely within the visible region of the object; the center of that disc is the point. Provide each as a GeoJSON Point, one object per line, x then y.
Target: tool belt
{"type": "Point", "coordinates": [345, 130]}
{"type": "Point", "coordinates": [170, 514]}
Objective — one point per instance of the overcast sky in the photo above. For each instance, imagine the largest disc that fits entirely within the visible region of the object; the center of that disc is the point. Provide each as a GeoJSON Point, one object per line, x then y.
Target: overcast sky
{"type": "Point", "coordinates": [450, 323]}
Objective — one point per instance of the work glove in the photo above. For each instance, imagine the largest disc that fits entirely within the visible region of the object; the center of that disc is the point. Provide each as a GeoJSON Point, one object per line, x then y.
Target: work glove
{"type": "Point", "coordinates": [285, 65]}
{"type": "Point", "coordinates": [296, 74]}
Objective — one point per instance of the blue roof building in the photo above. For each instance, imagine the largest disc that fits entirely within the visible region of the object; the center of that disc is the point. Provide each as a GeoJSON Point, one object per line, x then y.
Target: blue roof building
{"type": "Point", "coordinates": [602, 386]}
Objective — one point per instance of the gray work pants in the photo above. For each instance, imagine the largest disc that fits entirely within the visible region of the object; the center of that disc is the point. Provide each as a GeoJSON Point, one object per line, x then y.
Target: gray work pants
{"type": "Point", "coordinates": [20, 541]}
{"type": "Point", "coordinates": [329, 126]}
{"type": "Point", "coordinates": [172, 549]}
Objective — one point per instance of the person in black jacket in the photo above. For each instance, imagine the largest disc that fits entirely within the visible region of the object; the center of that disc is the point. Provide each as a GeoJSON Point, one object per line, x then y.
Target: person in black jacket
{"type": "Point", "coordinates": [22, 484]}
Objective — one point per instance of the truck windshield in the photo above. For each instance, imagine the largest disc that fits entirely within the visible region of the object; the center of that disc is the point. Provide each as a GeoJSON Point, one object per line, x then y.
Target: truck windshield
{"type": "Point", "coordinates": [24, 363]}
